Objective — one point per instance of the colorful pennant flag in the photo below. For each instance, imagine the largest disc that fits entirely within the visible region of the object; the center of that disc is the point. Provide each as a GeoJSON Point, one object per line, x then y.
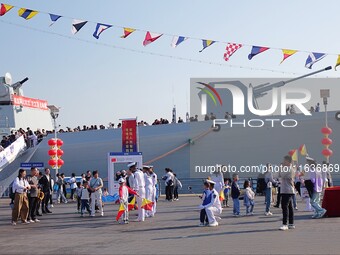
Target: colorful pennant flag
{"type": "Point", "coordinates": [77, 25]}
{"type": "Point", "coordinates": [222, 197]}
{"type": "Point", "coordinates": [5, 8]}
{"type": "Point", "coordinates": [176, 40]}
{"type": "Point", "coordinates": [287, 53]}
{"type": "Point", "coordinates": [206, 44]}
{"type": "Point", "coordinates": [230, 50]}
{"type": "Point", "coordinates": [256, 50]}
{"type": "Point", "coordinates": [303, 150]}
{"type": "Point", "coordinates": [127, 32]}
{"type": "Point", "coordinates": [27, 13]}
{"type": "Point", "coordinates": [54, 18]}
{"type": "Point", "coordinates": [100, 28]}
{"type": "Point", "coordinates": [132, 203]}
{"type": "Point", "coordinates": [147, 204]}
{"type": "Point", "coordinates": [313, 58]}
{"type": "Point", "coordinates": [337, 62]}
{"type": "Point", "coordinates": [293, 154]}
{"type": "Point", "coordinates": [151, 37]}
{"type": "Point", "coordinates": [121, 210]}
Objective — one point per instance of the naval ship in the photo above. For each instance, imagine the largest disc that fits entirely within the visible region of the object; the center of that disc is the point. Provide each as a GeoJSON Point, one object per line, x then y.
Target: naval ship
{"type": "Point", "coordinates": [187, 147]}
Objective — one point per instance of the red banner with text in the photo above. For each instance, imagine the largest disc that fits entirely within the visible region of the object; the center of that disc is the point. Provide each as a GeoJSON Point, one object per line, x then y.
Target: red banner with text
{"type": "Point", "coordinates": [129, 136]}
{"type": "Point", "coordinates": [30, 102]}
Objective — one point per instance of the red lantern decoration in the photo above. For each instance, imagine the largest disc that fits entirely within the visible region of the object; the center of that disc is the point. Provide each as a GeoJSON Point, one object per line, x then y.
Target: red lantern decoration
{"type": "Point", "coordinates": [52, 162]}
{"type": "Point", "coordinates": [327, 152]}
{"type": "Point", "coordinates": [326, 130]}
{"type": "Point", "coordinates": [326, 141]}
{"type": "Point", "coordinates": [52, 142]}
{"type": "Point", "coordinates": [60, 152]}
{"type": "Point", "coordinates": [60, 142]}
{"type": "Point", "coordinates": [52, 153]}
{"type": "Point", "coordinates": [60, 162]}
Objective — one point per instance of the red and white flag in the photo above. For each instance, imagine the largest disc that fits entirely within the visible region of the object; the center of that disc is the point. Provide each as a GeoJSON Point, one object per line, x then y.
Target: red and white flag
{"type": "Point", "coordinates": [151, 37]}
{"type": "Point", "coordinates": [230, 50]}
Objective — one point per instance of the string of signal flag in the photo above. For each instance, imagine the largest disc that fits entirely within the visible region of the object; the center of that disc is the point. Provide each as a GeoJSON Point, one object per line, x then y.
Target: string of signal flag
{"type": "Point", "coordinates": [150, 37]}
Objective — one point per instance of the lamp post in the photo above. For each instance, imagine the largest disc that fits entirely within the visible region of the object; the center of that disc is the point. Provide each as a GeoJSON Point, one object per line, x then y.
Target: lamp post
{"type": "Point", "coordinates": [55, 114]}
{"type": "Point", "coordinates": [325, 94]}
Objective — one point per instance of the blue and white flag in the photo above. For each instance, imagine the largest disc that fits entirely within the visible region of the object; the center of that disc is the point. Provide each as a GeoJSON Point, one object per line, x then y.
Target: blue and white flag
{"type": "Point", "coordinates": [54, 18]}
{"type": "Point", "coordinates": [77, 25]}
{"type": "Point", "coordinates": [100, 28]}
{"type": "Point", "coordinates": [313, 58]}
{"type": "Point", "coordinates": [177, 40]}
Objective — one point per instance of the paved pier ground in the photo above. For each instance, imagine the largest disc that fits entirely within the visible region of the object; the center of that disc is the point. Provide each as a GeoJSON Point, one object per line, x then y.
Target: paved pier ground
{"type": "Point", "coordinates": [173, 231]}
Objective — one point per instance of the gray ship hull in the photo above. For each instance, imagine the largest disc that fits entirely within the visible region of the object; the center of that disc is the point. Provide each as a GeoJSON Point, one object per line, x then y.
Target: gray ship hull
{"type": "Point", "coordinates": [237, 146]}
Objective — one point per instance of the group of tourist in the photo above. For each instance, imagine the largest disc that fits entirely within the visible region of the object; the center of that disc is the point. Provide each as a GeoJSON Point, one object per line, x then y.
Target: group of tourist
{"type": "Point", "coordinates": [172, 185]}
{"type": "Point", "coordinates": [30, 194]}
{"type": "Point", "coordinates": [33, 192]}
{"type": "Point", "coordinates": [32, 138]}
{"type": "Point", "coordinates": [291, 181]}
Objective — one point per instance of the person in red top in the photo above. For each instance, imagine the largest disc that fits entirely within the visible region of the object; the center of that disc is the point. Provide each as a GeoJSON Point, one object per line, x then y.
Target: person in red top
{"type": "Point", "coordinates": [124, 192]}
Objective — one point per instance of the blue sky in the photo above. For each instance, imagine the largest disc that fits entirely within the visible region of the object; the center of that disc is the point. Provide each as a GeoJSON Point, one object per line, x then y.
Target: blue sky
{"type": "Point", "coordinates": [95, 84]}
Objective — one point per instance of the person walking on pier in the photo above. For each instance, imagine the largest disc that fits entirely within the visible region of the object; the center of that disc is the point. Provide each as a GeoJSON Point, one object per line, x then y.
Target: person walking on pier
{"type": "Point", "coordinates": [20, 188]}
{"type": "Point", "coordinates": [169, 184]}
{"type": "Point", "coordinates": [287, 175]}
{"type": "Point", "coordinates": [235, 193]}
{"type": "Point", "coordinates": [139, 187]}
{"type": "Point", "coordinates": [47, 188]}
{"type": "Point", "coordinates": [96, 185]}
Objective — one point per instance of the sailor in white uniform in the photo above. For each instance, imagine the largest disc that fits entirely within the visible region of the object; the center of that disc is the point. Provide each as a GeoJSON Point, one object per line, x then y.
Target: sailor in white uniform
{"type": "Point", "coordinates": [148, 187]}
{"type": "Point", "coordinates": [154, 194]}
{"type": "Point", "coordinates": [139, 187]}
{"type": "Point", "coordinates": [214, 207]}
{"type": "Point", "coordinates": [217, 177]}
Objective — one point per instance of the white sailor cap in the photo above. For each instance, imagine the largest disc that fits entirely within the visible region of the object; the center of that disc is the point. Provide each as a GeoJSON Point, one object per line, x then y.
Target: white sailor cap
{"type": "Point", "coordinates": [309, 158]}
{"type": "Point", "coordinates": [132, 164]}
{"type": "Point", "coordinates": [147, 167]}
{"type": "Point", "coordinates": [211, 182]}
{"type": "Point", "coordinates": [121, 180]}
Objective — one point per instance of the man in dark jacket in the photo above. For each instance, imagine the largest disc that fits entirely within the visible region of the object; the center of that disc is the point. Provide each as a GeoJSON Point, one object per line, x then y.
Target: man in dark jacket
{"type": "Point", "coordinates": [46, 184]}
{"type": "Point", "coordinates": [235, 193]}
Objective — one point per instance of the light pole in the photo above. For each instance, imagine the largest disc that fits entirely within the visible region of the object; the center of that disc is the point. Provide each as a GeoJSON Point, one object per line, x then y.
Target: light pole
{"type": "Point", "coordinates": [325, 94]}
{"type": "Point", "coordinates": [55, 114]}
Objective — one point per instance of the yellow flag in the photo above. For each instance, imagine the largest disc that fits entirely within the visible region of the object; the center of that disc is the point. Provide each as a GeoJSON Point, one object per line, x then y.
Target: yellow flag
{"type": "Point", "coordinates": [295, 156]}
{"type": "Point", "coordinates": [26, 13]}
{"type": "Point", "coordinates": [303, 150]}
{"type": "Point", "coordinates": [287, 53]}
{"type": "Point", "coordinates": [337, 62]}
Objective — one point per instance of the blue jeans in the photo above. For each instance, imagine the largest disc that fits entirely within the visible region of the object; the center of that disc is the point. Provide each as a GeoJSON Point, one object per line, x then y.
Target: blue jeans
{"type": "Point", "coordinates": [85, 205]}
{"type": "Point", "coordinates": [249, 209]}
{"type": "Point", "coordinates": [268, 199]}
{"type": "Point", "coordinates": [236, 206]}
{"type": "Point", "coordinates": [294, 201]}
{"type": "Point", "coordinates": [315, 202]}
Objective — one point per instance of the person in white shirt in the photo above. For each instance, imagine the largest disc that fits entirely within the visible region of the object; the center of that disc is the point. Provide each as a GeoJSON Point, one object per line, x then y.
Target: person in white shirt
{"type": "Point", "coordinates": [218, 178]}
{"type": "Point", "coordinates": [154, 194]}
{"type": "Point", "coordinates": [73, 185]}
{"type": "Point", "coordinates": [20, 187]}
{"type": "Point", "coordinates": [169, 184]}
{"type": "Point", "coordinates": [149, 188]}
{"type": "Point", "coordinates": [214, 207]}
{"type": "Point", "coordinates": [85, 199]}
{"type": "Point", "coordinates": [139, 187]}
